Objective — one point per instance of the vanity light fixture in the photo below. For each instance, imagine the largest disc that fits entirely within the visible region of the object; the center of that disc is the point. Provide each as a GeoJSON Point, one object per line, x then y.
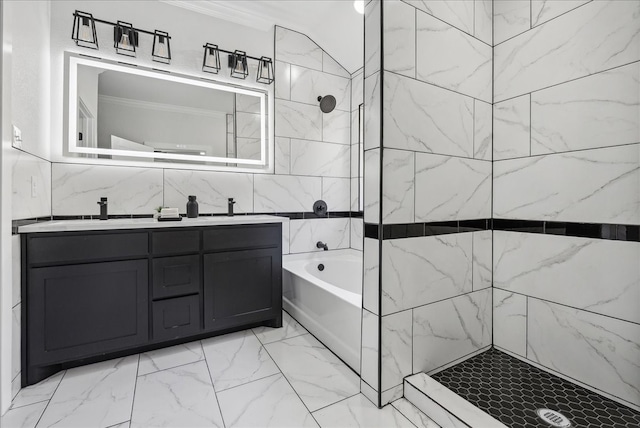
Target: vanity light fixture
{"type": "Point", "coordinates": [265, 70]}
{"type": "Point", "coordinates": [84, 30]}
{"type": "Point", "coordinates": [125, 39]}
{"type": "Point", "coordinates": [238, 65]}
{"type": "Point", "coordinates": [211, 60]}
{"type": "Point", "coordinates": [161, 51]}
{"type": "Point", "coordinates": [358, 5]}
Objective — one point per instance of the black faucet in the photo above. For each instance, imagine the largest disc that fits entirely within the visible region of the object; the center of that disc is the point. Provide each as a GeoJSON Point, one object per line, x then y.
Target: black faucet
{"type": "Point", "coordinates": [322, 245]}
{"type": "Point", "coordinates": [231, 202]}
{"type": "Point", "coordinates": [103, 209]}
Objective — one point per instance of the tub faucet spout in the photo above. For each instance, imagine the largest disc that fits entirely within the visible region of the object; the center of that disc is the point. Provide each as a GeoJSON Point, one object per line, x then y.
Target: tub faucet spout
{"type": "Point", "coordinates": [322, 245]}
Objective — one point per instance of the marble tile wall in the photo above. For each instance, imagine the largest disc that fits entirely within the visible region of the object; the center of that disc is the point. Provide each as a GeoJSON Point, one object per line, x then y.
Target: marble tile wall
{"type": "Point", "coordinates": [566, 148]}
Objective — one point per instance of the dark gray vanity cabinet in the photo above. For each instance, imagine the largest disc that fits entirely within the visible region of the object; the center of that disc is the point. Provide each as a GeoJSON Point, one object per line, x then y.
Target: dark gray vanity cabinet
{"type": "Point", "coordinates": [95, 295]}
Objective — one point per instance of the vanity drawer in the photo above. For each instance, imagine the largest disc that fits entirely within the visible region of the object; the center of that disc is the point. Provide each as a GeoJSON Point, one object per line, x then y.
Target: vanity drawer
{"type": "Point", "coordinates": [175, 318]}
{"type": "Point", "coordinates": [242, 237]}
{"type": "Point", "coordinates": [175, 242]}
{"type": "Point", "coordinates": [70, 248]}
{"type": "Point", "coordinates": [175, 276]}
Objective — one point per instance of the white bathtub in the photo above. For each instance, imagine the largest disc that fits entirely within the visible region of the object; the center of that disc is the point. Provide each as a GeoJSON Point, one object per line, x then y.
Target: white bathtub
{"type": "Point", "coordinates": [328, 303]}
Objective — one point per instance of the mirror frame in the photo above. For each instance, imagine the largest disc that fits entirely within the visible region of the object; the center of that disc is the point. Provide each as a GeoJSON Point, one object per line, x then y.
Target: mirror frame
{"type": "Point", "coordinates": [74, 60]}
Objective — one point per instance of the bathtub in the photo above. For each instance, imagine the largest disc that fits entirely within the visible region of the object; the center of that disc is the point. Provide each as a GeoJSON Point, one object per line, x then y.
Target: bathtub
{"type": "Point", "coordinates": [328, 303]}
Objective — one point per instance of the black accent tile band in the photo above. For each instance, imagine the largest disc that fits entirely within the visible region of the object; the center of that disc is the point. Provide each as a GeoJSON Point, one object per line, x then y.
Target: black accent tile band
{"type": "Point", "coordinates": [617, 232]}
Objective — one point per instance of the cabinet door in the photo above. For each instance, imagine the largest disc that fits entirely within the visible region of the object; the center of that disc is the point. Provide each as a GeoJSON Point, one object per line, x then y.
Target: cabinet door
{"type": "Point", "coordinates": [242, 287]}
{"type": "Point", "coordinates": [78, 311]}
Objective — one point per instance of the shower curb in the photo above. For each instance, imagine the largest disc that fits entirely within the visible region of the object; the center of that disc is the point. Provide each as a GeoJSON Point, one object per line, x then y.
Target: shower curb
{"type": "Point", "coordinates": [443, 406]}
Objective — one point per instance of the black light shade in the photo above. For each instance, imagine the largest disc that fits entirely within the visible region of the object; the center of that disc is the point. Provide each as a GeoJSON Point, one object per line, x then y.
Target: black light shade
{"type": "Point", "coordinates": [238, 65]}
{"type": "Point", "coordinates": [125, 39]}
{"type": "Point", "coordinates": [211, 60]}
{"type": "Point", "coordinates": [265, 71]}
{"type": "Point", "coordinates": [84, 30]}
{"type": "Point", "coordinates": [161, 49]}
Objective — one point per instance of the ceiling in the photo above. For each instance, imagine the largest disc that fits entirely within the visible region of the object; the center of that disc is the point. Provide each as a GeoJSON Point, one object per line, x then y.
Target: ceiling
{"type": "Point", "coordinates": [332, 24]}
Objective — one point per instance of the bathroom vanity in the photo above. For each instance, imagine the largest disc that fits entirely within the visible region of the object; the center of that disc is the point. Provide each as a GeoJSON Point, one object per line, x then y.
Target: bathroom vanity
{"type": "Point", "coordinates": [94, 290]}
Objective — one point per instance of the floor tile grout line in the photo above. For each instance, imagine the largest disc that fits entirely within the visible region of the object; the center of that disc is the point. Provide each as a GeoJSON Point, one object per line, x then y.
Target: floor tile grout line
{"type": "Point", "coordinates": [52, 395]}
{"type": "Point", "coordinates": [12, 407]}
{"type": "Point", "coordinates": [213, 388]}
{"type": "Point", "coordinates": [247, 383]}
{"type": "Point", "coordinates": [135, 386]}
{"type": "Point", "coordinates": [170, 368]}
{"type": "Point", "coordinates": [339, 401]}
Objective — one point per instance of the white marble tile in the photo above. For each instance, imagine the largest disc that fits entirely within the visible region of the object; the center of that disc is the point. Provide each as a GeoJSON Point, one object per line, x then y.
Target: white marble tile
{"type": "Point", "coordinates": [247, 103]}
{"type": "Point", "coordinates": [319, 159]}
{"type": "Point", "coordinates": [283, 80]}
{"type": "Point", "coordinates": [212, 190]}
{"type": "Point", "coordinates": [510, 18]}
{"type": "Point", "coordinates": [372, 45]}
{"type": "Point", "coordinates": [357, 233]}
{"type": "Point", "coordinates": [463, 410]}
{"type": "Point", "coordinates": [23, 417]}
{"type": "Point", "coordinates": [372, 118]}
{"type": "Point", "coordinates": [296, 48]}
{"type": "Point", "coordinates": [371, 283]}
{"type": "Point", "coordinates": [290, 328]}
{"type": "Point", "coordinates": [317, 375]}
{"type": "Point", "coordinates": [425, 118]}
{"type": "Point", "coordinates": [415, 415]}
{"type": "Point", "coordinates": [482, 259]}
{"type": "Point", "coordinates": [574, 342]}
{"type": "Point", "coordinates": [237, 358]}
{"type": "Point", "coordinates": [358, 411]}
{"type": "Point", "coordinates": [126, 424]}
{"type": "Point", "coordinates": [15, 385]}
{"type": "Point", "coordinates": [25, 169]}
{"type": "Point", "coordinates": [336, 192]}
{"type": "Point", "coordinates": [356, 202]}
{"type": "Point", "coordinates": [99, 394]}
{"type": "Point", "coordinates": [369, 393]}
{"type": "Point", "coordinates": [282, 193]}
{"type": "Point", "coordinates": [391, 394]}
{"type": "Point", "coordinates": [334, 232]}
{"type": "Point", "coordinates": [458, 13]}
{"type": "Point", "coordinates": [181, 396]}
{"type": "Point", "coordinates": [16, 292]}
{"type": "Point", "coordinates": [372, 186]}
{"type": "Point", "coordinates": [452, 188]}
{"type": "Point", "coordinates": [42, 391]}
{"type": "Point", "coordinates": [355, 158]}
{"type": "Point", "coordinates": [580, 187]}
{"type": "Point", "coordinates": [166, 358]}
{"type": "Point", "coordinates": [450, 329]}
{"type": "Point", "coordinates": [398, 198]}
{"type": "Point", "coordinates": [597, 275]}
{"type": "Point", "coordinates": [596, 111]}
{"type": "Point", "coordinates": [544, 10]}
{"type": "Point", "coordinates": [282, 155]}
{"type": "Point", "coordinates": [77, 188]}
{"type": "Point", "coordinates": [482, 130]}
{"type": "Point", "coordinates": [285, 236]}
{"type": "Point", "coordinates": [357, 90]}
{"type": "Point", "coordinates": [16, 340]}
{"type": "Point", "coordinates": [336, 127]}
{"type": "Point", "coordinates": [439, 414]}
{"type": "Point", "coordinates": [597, 36]}
{"type": "Point", "coordinates": [269, 402]}
{"type": "Point", "coordinates": [400, 38]}
{"type": "Point", "coordinates": [510, 321]}
{"type": "Point", "coordinates": [483, 29]}
{"type": "Point", "coordinates": [330, 65]}
{"type": "Point", "coordinates": [396, 348]}
{"type": "Point", "coordinates": [451, 59]}
{"type": "Point", "coordinates": [418, 271]}
{"type": "Point", "coordinates": [307, 85]}
{"type": "Point", "coordinates": [297, 120]}
{"type": "Point", "coordinates": [512, 128]}
{"type": "Point", "coordinates": [248, 148]}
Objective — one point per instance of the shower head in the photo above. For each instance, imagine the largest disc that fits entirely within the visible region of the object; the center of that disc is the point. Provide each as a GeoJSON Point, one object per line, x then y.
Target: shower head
{"type": "Point", "coordinates": [327, 103]}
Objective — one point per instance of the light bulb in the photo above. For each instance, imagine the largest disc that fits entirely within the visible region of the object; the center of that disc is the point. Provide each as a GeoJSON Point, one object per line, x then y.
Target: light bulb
{"type": "Point", "coordinates": [124, 42]}
{"type": "Point", "coordinates": [211, 59]}
{"type": "Point", "coordinates": [239, 64]}
{"type": "Point", "coordinates": [86, 34]}
{"type": "Point", "coordinates": [161, 48]}
{"type": "Point", "coordinates": [358, 5]}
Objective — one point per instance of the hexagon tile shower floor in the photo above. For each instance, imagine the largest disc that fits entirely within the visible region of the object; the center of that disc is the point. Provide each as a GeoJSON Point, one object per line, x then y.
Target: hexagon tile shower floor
{"type": "Point", "coordinates": [511, 391]}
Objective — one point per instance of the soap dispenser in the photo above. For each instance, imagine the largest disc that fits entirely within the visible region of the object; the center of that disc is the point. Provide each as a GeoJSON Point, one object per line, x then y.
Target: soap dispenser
{"type": "Point", "coordinates": [231, 202]}
{"type": "Point", "coordinates": [192, 207]}
{"type": "Point", "coordinates": [103, 209]}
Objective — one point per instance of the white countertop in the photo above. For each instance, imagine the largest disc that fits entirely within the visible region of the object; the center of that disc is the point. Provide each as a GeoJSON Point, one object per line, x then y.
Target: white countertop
{"type": "Point", "coordinates": [145, 223]}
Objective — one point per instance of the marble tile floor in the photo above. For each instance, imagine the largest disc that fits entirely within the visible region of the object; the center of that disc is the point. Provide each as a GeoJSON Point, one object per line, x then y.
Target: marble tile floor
{"type": "Point", "coordinates": [261, 377]}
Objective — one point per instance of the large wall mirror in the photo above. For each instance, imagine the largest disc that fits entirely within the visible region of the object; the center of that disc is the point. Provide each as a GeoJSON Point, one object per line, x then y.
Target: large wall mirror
{"type": "Point", "coordinates": [123, 112]}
